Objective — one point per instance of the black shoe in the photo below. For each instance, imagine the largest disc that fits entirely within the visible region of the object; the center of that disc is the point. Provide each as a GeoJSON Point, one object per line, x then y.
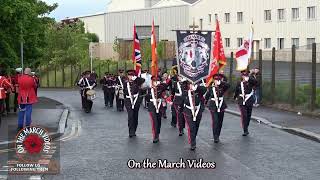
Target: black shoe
{"type": "Point", "coordinates": [181, 133]}
{"type": "Point", "coordinates": [193, 148]}
{"type": "Point", "coordinates": [245, 134]}
{"type": "Point", "coordinates": [165, 116]}
{"type": "Point", "coordinates": [216, 140]}
{"type": "Point", "coordinates": [111, 106]}
{"type": "Point", "coordinates": [156, 140]}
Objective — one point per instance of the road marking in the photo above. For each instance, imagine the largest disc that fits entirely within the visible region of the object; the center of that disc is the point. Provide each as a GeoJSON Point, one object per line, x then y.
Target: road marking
{"type": "Point", "coordinates": [35, 178]}
{"type": "Point", "coordinates": [7, 150]}
{"type": "Point", "coordinates": [63, 120]}
{"type": "Point", "coordinates": [75, 131]}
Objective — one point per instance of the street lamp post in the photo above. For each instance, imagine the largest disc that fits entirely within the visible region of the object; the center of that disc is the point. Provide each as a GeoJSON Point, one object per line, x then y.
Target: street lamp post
{"type": "Point", "coordinates": [21, 48]}
{"type": "Point", "coordinates": [21, 51]}
{"type": "Point", "coordinates": [91, 57]}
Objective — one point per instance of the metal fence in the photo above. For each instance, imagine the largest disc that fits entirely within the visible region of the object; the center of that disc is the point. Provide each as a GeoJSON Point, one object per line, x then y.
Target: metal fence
{"type": "Point", "coordinates": [290, 78]}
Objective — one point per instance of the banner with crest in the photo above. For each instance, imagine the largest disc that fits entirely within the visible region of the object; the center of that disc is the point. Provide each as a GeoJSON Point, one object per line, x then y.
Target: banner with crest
{"type": "Point", "coordinates": [194, 54]}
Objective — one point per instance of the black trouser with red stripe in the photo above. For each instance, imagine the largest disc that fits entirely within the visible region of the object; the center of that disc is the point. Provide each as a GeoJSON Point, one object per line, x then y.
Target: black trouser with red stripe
{"type": "Point", "coordinates": [193, 127]}
{"type": "Point", "coordinates": [246, 112]}
{"type": "Point", "coordinates": [217, 121]}
{"type": "Point", "coordinates": [174, 116]}
{"type": "Point", "coordinates": [155, 119]}
{"type": "Point", "coordinates": [180, 117]}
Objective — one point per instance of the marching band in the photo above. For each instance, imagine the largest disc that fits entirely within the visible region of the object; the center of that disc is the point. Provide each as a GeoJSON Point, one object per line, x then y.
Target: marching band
{"type": "Point", "coordinates": [188, 100]}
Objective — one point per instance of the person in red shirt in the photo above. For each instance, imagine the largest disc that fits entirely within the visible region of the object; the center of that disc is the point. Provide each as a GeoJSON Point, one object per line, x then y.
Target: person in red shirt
{"type": "Point", "coordinates": [4, 86]}
{"type": "Point", "coordinates": [26, 98]}
{"type": "Point", "coordinates": [8, 92]}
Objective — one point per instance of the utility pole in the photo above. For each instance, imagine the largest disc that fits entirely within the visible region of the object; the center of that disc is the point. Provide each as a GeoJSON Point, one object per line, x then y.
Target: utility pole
{"type": "Point", "coordinates": [21, 48]}
{"type": "Point", "coordinates": [91, 56]}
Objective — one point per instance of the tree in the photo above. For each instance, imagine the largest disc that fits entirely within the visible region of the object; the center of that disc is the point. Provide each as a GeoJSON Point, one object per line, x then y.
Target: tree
{"type": "Point", "coordinates": [67, 44]}
{"type": "Point", "coordinates": [23, 20]}
{"type": "Point", "coordinates": [93, 37]}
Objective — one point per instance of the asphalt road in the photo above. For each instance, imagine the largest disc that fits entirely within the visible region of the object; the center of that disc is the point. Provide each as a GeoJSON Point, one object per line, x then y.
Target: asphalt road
{"type": "Point", "coordinates": [102, 148]}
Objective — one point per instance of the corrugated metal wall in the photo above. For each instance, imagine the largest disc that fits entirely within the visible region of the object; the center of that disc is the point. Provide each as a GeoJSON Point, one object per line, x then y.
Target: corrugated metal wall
{"type": "Point", "coordinates": [120, 24]}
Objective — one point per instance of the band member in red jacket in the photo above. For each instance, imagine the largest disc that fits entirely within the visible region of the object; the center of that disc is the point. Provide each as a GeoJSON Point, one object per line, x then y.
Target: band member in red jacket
{"type": "Point", "coordinates": [8, 92]}
{"type": "Point", "coordinates": [26, 98]}
{"type": "Point", "coordinates": [4, 85]}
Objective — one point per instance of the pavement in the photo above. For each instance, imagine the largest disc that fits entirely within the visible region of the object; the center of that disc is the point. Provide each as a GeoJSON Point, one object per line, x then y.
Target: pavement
{"type": "Point", "coordinates": [47, 113]}
{"type": "Point", "coordinates": [96, 146]}
{"type": "Point", "coordinates": [298, 124]}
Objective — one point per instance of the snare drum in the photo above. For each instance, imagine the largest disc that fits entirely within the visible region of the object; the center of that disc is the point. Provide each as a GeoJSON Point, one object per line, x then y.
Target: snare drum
{"type": "Point", "coordinates": [121, 95]}
{"type": "Point", "coordinates": [91, 95]}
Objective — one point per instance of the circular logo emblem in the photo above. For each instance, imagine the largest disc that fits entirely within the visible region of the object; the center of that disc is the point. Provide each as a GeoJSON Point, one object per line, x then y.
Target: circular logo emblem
{"type": "Point", "coordinates": [32, 144]}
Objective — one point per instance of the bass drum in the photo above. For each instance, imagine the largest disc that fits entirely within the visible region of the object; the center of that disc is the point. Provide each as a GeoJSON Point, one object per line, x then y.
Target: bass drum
{"type": "Point", "coordinates": [91, 95]}
{"type": "Point", "coordinates": [121, 94]}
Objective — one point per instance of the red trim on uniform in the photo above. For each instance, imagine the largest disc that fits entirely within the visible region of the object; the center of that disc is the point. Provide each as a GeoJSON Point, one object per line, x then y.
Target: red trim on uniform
{"type": "Point", "coordinates": [188, 127]}
{"type": "Point", "coordinates": [212, 119]}
{"type": "Point", "coordinates": [241, 116]}
{"type": "Point", "coordinates": [152, 125]}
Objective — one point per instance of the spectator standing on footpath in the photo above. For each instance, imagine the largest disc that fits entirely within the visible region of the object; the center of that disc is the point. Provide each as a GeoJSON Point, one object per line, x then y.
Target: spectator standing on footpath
{"type": "Point", "coordinates": [4, 86]}
{"type": "Point", "coordinates": [26, 98]}
{"type": "Point", "coordinates": [255, 73]}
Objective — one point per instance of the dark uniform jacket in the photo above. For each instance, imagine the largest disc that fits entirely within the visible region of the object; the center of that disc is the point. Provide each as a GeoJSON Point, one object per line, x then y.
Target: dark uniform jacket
{"type": "Point", "coordinates": [179, 95]}
{"type": "Point", "coordinates": [220, 91]}
{"type": "Point", "coordinates": [108, 84]}
{"type": "Point", "coordinates": [248, 91]}
{"type": "Point", "coordinates": [83, 84]}
{"type": "Point", "coordinates": [160, 94]}
{"type": "Point", "coordinates": [118, 83]}
{"type": "Point", "coordinates": [135, 91]}
{"type": "Point", "coordinates": [196, 97]}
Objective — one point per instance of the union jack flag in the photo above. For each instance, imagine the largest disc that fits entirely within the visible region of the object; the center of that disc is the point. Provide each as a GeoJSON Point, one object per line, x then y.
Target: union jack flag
{"type": "Point", "coordinates": [136, 55]}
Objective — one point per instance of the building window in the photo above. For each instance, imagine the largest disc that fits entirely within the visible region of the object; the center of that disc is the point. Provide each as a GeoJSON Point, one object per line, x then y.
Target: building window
{"type": "Point", "coordinates": [267, 43]}
{"type": "Point", "coordinates": [295, 14]}
{"type": "Point", "coordinates": [227, 42]}
{"type": "Point", "coordinates": [281, 15]}
{"type": "Point", "coordinates": [295, 42]}
{"type": "Point", "coordinates": [310, 41]}
{"type": "Point", "coordinates": [240, 41]}
{"type": "Point", "coordinates": [201, 24]}
{"type": "Point", "coordinates": [210, 18]}
{"type": "Point", "coordinates": [239, 17]}
{"type": "Point", "coordinates": [227, 17]}
{"type": "Point", "coordinates": [311, 12]}
{"type": "Point", "coordinates": [280, 43]}
{"type": "Point", "coordinates": [267, 15]}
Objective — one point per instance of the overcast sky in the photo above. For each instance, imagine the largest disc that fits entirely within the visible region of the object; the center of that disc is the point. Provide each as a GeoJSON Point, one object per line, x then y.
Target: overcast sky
{"type": "Point", "coordinates": [72, 8]}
